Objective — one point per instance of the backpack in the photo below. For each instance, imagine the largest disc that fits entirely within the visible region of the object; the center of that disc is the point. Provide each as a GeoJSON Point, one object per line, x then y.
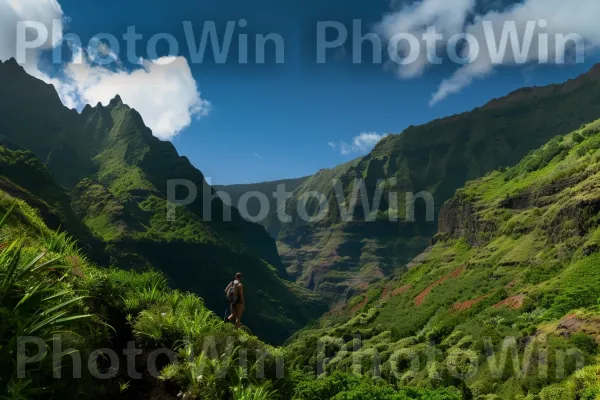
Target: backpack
{"type": "Point", "coordinates": [231, 292]}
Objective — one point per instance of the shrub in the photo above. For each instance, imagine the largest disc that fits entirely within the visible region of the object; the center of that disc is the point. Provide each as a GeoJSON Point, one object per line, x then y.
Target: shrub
{"type": "Point", "coordinates": [556, 392]}
{"type": "Point", "coordinates": [343, 386]}
{"type": "Point", "coordinates": [585, 343]}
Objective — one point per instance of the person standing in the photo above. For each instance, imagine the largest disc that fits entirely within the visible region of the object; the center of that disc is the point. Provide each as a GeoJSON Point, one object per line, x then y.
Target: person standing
{"type": "Point", "coordinates": [235, 294]}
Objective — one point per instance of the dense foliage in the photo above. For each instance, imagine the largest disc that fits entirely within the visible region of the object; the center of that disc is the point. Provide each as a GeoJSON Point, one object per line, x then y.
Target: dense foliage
{"type": "Point", "coordinates": [53, 298]}
{"type": "Point", "coordinates": [343, 386]}
{"type": "Point", "coordinates": [50, 291]}
{"type": "Point", "coordinates": [504, 305]}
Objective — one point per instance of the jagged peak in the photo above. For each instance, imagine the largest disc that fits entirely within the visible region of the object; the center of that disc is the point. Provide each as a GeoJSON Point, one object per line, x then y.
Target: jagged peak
{"type": "Point", "coordinates": [116, 101]}
{"type": "Point", "coordinates": [12, 63]}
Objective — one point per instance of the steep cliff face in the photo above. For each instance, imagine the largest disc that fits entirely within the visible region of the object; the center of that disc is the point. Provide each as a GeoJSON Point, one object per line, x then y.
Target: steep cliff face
{"type": "Point", "coordinates": [436, 158]}
{"type": "Point", "coordinates": [459, 218]}
{"type": "Point", "coordinates": [112, 174]}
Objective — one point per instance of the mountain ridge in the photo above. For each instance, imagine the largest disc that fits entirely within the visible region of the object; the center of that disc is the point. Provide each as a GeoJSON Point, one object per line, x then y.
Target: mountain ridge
{"type": "Point", "coordinates": [512, 268]}
{"type": "Point", "coordinates": [515, 259]}
{"type": "Point", "coordinates": [115, 173]}
{"type": "Point", "coordinates": [435, 158]}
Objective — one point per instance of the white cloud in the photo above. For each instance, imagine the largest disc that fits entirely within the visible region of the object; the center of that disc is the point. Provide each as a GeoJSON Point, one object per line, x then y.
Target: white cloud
{"type": "Point", "coordinates": [166, 95]}
{"type": "Point", "coordinates": [563, 18]}
{"type": "Point", "coordinates": [258, 156]}
{"type": "Point", "coordinates": [362, 143]}
{"type": "Point", "coordinates": [457, 17]}
{"type": "Point", "coordinates": [103, 50]}
{"type": "Point", "coordinates": [414, 19]}
{"type": "Point", "coordinates": [163, 91]}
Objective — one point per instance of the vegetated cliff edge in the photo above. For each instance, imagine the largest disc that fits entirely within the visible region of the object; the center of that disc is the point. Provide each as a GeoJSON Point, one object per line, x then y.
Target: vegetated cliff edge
{"type": "Point", "coordinates": [515, 261]}
{"type": "Point", "coordinates": [336, 257]}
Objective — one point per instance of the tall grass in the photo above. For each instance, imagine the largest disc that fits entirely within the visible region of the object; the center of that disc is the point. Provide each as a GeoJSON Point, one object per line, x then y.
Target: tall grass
{"type": "Point", "coordinates": [35, 300]}
{"type": "Point", "coordinates": [48, 287]}
{"type": "Point", "coordinates": [220, 377]}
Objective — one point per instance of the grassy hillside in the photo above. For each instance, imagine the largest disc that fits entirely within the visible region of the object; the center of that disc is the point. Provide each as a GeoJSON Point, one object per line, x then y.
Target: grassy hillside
{"type": "Point", "coordinates": [50, 291]}
{"type": "Point", "coordinates": [37, 187]}
{"type": "Point", "coordinates": [439, 157]}
{"type": "Point", "coordinates": [54, 300]}
{"type": "Point", "coordinates": [106, 175]}
{"type": "Point", "coordinates": [515, 263]}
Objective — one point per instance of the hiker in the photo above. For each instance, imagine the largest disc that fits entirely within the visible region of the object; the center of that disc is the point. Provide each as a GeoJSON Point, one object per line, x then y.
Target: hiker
{"type": "Point", "coordinates": [235, 295]}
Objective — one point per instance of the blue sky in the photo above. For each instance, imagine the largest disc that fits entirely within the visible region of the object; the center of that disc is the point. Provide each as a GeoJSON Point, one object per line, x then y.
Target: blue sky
{"type": "Point", "coordinates": [269, 122]}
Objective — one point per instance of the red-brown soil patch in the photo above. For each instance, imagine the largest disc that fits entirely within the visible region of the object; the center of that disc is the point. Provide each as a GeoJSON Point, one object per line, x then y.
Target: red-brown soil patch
{"type": "Point", "coordinates": [574, 323]}
{"type": "Point", "coordinates": [454, 274]}
{"type": "Point", "coordinates": [569, 325]}
{"type": "Point", "coordinates": [514, 302]}
{"type": "Point", "coordinates": [510, 284]}
{"type": "Point", "coordinates": [360, 305]}
{"type": "Point", "coordinates": [470, 303]}
{"type": "Point", "coordinates": [401, 290]}
{"type": "Point", "coordinates": [385, 293]}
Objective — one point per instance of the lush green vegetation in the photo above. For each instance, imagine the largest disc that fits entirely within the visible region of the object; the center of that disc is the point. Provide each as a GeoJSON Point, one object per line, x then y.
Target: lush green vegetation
{"type": "Point", "coordinates": [102, 176]}
{"type": "Point", "coordinates": [503, 305]}
{"type": "Point", "coordinates": [340, 386]}
{"type": "Point", "coordinates": [438, 157]}
{"type": "Point", "coordinates": [515, 269]}
{"type": "Point", "coordinates": [50, 291]}
{"type": "Point", "coordinates": [49, 288]}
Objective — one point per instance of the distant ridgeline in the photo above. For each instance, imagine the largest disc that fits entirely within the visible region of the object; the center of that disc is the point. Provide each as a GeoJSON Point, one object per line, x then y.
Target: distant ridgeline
{"type": "Point", "coordinates": [102, 175]}
{"type": "Point", "coordinates": [337, 257]}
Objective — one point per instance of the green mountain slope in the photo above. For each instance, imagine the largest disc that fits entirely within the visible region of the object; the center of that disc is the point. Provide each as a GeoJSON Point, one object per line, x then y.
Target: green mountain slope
{"type": "Point", "coordinates": [51, 294]}
{"type": "Point", "coordinates": [51, 290]}
{"type": "Point", "coordinates": [114, 173]}
{"type": "Point", "coordinates": [38, 189]}
{"type": "Point", "coordinates": [515, 263]}
{"type": "Point", "coordinates": [331, 256]}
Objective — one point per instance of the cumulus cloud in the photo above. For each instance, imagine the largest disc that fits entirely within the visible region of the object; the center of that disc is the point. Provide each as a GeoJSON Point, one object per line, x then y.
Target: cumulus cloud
{"type": "Point", "coordinates": [362, 143]}
{"type": "Point", "coordinates": [494, 26]}
{"type": "Point", "coordinates": [164, 91]}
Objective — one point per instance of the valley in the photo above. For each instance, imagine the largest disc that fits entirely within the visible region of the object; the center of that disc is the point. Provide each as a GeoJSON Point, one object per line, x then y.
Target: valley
{"type": "Point", "coordinates": [472, 274]}
{"type": "Point", "coordinates": [337, 258]}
